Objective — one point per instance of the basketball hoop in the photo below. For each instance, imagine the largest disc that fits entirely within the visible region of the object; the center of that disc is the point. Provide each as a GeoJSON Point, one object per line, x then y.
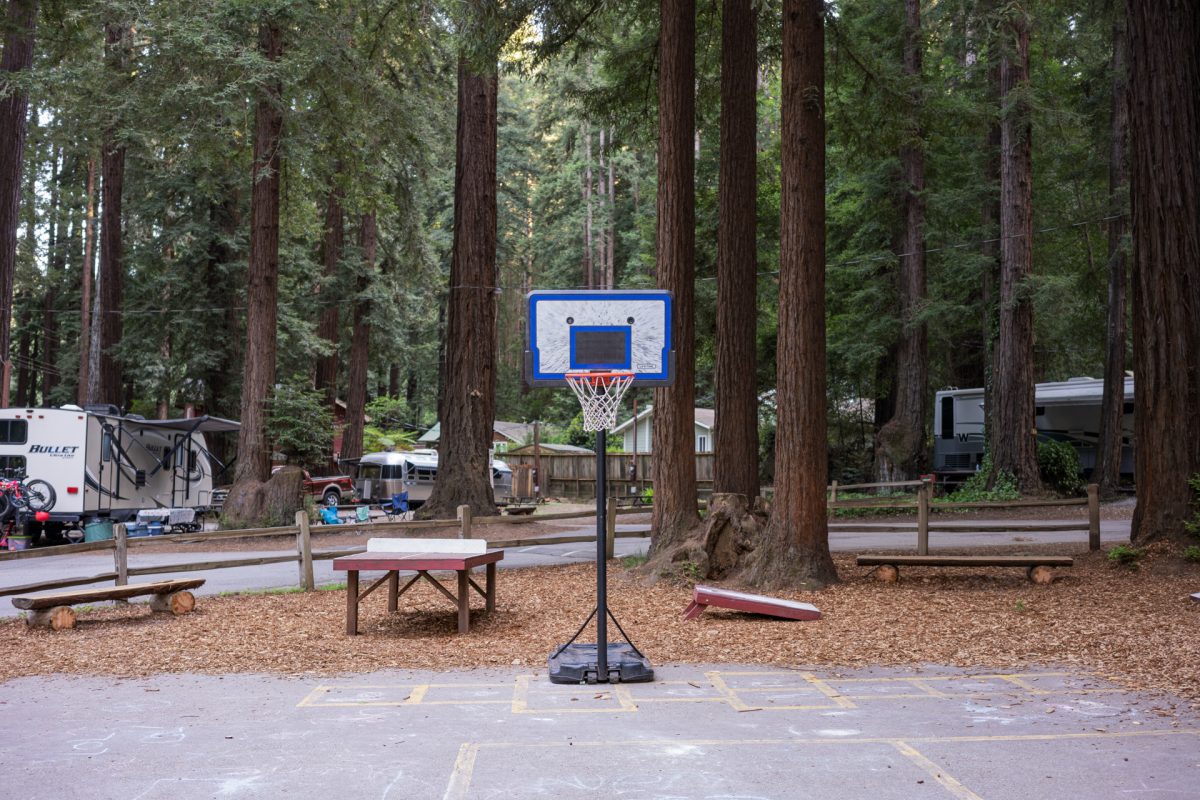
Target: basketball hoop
{"type": "Point", "coordinates": [600, 395]}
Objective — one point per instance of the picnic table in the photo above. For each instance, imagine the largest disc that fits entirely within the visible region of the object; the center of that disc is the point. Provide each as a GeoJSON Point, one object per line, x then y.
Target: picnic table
{"type": "Point", "coordinates": [422, 556]}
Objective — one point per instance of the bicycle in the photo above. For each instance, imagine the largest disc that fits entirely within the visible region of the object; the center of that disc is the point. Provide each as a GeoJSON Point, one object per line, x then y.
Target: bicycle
{"type": "Point", "coordinates": [17, 494]}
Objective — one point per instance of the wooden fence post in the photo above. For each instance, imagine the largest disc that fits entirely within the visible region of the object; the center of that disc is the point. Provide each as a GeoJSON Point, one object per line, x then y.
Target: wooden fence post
{"type": "Point", "coordinates": [833, 493]}
{"type": "Point", "coordinates": [1093, 494]}
{"type": "Point", "coordinates": [464, 520]}
{"type": "Point", "coordinates": [923, 520]}
{"type": "Point", "coordinates": [304, 549]}
{"type": "Point", "coordinates": [610, 528]}
{"type": "Point", "coordinates": [120, 555]}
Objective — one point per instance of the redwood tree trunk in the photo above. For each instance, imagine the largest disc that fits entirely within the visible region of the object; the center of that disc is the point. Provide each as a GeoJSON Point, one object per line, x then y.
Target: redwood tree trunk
{"type": "Point", "coordinates": [901, 447]}
{"type": "Point", "coordinates": [327, 327]}
{"type": "Point", "coordinates": [20, 22]}
{"type": "Point", "coordinates": [356, 391]}
{"type": "Point", "coordinates": [1112, 414]}
{"type": "Point", "coordinates": [736, 437]}
{"type": "Point", "coordinates": [112, 269]}
{"type": "Point", "coordinates": [1012, 434]}
{"type": "Point", "coordinates": [675, 406]}
{"type": "Point", "coordinates": [468, 409]}
{"type": "Point", "coordinates": [1164, 178]}
{"type": "Point", "coordinates": [85, 290]}
{"type": "Point", "coordinates": [794, 549]}
{"type": "Point", "coordinates": [262, 284]}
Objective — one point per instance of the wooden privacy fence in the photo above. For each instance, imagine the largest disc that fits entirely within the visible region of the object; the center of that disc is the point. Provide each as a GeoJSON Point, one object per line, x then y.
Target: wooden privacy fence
{"type": "Point", "coordinates": [304, 555]}
{"type": "Point", "coordinates": [924, 505]}
{"type": "Point", "coordinates": [574, 474]}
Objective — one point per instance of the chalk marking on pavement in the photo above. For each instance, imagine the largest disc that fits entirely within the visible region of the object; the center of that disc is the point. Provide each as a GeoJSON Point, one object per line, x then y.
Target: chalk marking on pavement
{"type": "Point", "coordinates": [940, 775]}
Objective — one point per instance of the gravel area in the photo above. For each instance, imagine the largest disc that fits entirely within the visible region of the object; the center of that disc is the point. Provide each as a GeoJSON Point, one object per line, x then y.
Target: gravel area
{"type": "Point", "coordinates": [1137, 627]}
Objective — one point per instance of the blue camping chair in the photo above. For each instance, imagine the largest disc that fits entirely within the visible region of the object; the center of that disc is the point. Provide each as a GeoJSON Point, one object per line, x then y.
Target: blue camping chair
{"type": "Point", "coordinates": [397, 507]}
{"type": "Point", "coordinates": [330, 516]}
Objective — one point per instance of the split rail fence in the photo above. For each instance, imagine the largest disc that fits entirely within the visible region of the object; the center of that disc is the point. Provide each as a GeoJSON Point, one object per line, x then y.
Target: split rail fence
{"type": "Point", "coordinates": [304, 554]}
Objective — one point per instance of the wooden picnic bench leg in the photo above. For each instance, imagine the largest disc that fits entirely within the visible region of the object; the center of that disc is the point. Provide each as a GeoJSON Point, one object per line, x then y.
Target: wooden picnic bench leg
{"type": "Point", "coordinates": [352, 602]}
{"type": "Point", "coordinates": [393, 590]}
{"type": "Point", "coordinates": [490, 587]}
{"type": "Point", "coordinates": [464, 602]}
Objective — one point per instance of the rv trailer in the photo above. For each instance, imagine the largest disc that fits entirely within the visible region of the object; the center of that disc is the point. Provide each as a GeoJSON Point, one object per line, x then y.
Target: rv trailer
{"type": "Point", "coordinates": [378, 476]}
{"type": "Point", "coordinates": [104, 465]}
{"type": "Point", "coordinates": [1067, 411]}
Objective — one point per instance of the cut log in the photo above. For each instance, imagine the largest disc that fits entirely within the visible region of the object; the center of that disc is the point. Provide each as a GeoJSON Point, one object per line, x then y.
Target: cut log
{"type": "Point", "coordinates": [58, 618]}
{"type": "Point", "coordinates": [1041, 575]}
{"type": "Point", "coordinates": [887, 574]}
{"type": "Point", "coordinates": [176, 602]}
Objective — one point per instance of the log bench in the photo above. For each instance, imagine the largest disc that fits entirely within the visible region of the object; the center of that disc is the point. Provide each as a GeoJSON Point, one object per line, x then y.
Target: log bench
{"type": "Point", "coordinates": [54, 610]}
{"type": "Point", "coordinates": [1038, 568]}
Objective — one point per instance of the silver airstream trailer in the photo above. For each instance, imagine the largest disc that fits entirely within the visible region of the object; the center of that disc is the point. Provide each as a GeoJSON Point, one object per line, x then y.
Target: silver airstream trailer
{"type": "Point", "coordinates": [381, 475]}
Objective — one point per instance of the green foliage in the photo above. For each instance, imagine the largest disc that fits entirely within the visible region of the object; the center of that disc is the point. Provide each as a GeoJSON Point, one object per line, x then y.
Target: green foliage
{"type": "Point", "coordinates": [634, 561]}
{"type": "Point", "coordinates": [1191, 553]}
{"type": "Point", "coordinates": [975, 490]}
{"type": "Point", "coordinates": [1124, 555]}
{"type": "Point", "coordinates": [1192, 526]}
{"type": "Point", "coordinates": [300, 425]}
{"type": "Point", "coordinates": [1058, 463]}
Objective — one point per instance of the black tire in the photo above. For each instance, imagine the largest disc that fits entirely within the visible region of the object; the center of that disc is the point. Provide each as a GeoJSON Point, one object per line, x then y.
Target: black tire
{"type": "Point", "coordinates": [6, 506]}
{"type": "Point", "coordinates": [331, 498]}
{"type": "Point", "coordinates": [39, 495]}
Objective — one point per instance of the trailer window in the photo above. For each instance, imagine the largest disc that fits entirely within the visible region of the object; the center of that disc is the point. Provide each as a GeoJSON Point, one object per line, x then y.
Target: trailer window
{"type": "Point", "coordinates": [393, 472]}
{"type": "Point", "coordinates": [947, 417]}
{"type": "Point", "coordinates": [12, 466]}
{"type": "Point", "coordinates": [368, 472]}
{"type": "Point", "coordinates": [426, 473]}
{"type": "Point", "coordinates": [14, 431]}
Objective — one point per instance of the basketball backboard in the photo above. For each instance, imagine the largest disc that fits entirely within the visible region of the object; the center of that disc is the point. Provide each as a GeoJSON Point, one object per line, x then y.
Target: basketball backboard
{"type": "Point", "coordinates": [577, 330]}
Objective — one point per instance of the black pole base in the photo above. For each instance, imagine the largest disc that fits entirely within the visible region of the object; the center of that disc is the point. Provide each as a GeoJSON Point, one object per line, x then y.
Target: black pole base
{"type": "Point", "coordinates": [577, 663]}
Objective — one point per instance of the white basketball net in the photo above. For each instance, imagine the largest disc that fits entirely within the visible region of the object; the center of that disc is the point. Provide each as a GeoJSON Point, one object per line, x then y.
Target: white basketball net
{"type": "Point", "coordinates": [600, 396]}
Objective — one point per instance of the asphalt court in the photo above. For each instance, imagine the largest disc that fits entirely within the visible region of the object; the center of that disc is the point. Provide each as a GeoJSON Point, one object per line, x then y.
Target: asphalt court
{"type": "Point", "coordinates": [727, 732]}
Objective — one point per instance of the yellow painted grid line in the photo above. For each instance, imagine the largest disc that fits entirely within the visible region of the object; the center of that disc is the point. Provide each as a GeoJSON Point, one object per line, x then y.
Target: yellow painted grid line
{"type": "Point", "coordinates": [828, 691]}
{"type": "Point", "coordinates": [940, 775]}
{"type": "Point", "coordinates": [932, 691]}
{"type": "Point", "coordinates": [464, 768]}
{"type": "Point", "coordinates": [520, 698]}
{"type": "Point", "coordinates": [311, 698]}
{"type": "Point", "coordinates": [730, 696]}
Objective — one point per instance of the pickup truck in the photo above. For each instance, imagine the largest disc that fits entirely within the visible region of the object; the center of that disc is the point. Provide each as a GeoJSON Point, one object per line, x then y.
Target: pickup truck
{"type": "Point", "coordinates": [330, 490]}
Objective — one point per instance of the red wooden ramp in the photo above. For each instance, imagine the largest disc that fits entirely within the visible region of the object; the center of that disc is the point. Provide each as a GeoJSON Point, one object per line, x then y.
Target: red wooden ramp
{"type": "Point", "coordinates": [705, 596]}
{"type": "Point", "coordinates": [1196, 597]}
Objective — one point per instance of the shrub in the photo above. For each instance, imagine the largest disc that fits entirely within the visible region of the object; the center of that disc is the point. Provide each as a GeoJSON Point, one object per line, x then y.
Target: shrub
{"type": "Point", "coordinates": [1192, 553]}
{"type": "Point", "coordinates": [1124, 555]}
{"type": "Point", "coordinates": [1192, 526]}
{"type": "Point", "coordinates": [974, 489]}
{"type": "Point", "coordinates": [1059, 465]}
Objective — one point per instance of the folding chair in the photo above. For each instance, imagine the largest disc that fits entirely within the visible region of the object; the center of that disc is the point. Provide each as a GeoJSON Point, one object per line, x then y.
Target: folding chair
{"type": "Point", "coordinates": [397, 507]}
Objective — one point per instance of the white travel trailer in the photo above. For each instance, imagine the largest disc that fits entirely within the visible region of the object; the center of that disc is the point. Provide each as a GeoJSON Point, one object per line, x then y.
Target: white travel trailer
{"type": "Point", "coordinates": [1067, 411]}
{"type": "Point", "coordinates": [381, 475]}
{"type": "Point", "coordinates": [105, 465]}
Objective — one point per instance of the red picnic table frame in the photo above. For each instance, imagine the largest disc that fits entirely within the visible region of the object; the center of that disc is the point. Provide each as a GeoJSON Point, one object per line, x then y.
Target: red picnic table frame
{"type": "Point", "coordinates": [421, 563]}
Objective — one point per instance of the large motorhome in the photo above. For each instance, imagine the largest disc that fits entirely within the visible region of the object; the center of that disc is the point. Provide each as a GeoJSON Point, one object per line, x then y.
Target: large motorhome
{"type": "Point", "coordinates": [381, 475]}
{"type": "Point", "coordinates": [1067, 411]}
{"type": "Point", "coordinates": [106, 465]}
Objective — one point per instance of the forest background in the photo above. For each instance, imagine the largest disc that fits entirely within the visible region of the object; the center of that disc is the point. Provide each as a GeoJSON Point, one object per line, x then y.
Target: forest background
{"type": "Point", "coordinates": [366, 150]}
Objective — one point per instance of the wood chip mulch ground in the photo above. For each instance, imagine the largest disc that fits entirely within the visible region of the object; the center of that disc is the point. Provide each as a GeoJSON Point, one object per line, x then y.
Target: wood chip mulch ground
{"type": "Point", "coordinates": [1137, 627]}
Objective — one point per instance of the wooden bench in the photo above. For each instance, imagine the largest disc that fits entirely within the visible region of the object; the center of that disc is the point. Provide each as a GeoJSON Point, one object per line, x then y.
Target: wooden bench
{"type": "Point", "coordinates": [1039, 568]}
{"type": "Point", "coordinates": [54, 610]}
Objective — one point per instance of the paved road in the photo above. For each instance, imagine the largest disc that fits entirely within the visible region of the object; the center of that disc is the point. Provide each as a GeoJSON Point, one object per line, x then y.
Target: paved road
{"type": "Point", "coordinates": [718, 732]}
{"type": "Point", "coordinates": [271, 576]}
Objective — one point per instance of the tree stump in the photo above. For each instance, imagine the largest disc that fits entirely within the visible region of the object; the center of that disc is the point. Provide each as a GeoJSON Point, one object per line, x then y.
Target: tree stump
{"type": "Point", "coordinates": [176, 602]}
{"type": "Point", "coordinates": [58, 618]}
{"type": "Point", "coordinates": [887, 574]}
{"type": "Point", "coordinates": [1041, 575]}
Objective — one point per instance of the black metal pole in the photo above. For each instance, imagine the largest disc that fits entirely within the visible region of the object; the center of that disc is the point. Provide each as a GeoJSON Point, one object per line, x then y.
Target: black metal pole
{"type": "Point", "coordinates": [601, 563]}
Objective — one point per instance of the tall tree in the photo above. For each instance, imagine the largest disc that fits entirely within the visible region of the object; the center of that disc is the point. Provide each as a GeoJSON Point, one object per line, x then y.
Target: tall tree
{"type": "Point", "coordinates": [1012, 436]}
{"type": "Point", "coordinates": [675, 406]}
{"type": "Point", "coordinates": [20, 21]}
{"type": "Point", "coordinates": [736, 435]}
{"type": "Point", "coordinates": [1164, 182]}
{"type": "Point", "coordinates": [795, 547]}
{"type": "Point", "coordinates": [900, 454]}
{"type": "Point", "coordinates": [82, 395]}
{"type": "Point", "coordinates": [1111, 439]}
{"type": "Point", "coordinates": [360, 342]}
{"type": "Point", "coordinates": [468, 408]}
{"type": "Point", "coordinates": [262, 285]}
{"type": "Point", "coordinates": [332, 243]}
{"type": "Point", "coordinates": [110, 382]}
